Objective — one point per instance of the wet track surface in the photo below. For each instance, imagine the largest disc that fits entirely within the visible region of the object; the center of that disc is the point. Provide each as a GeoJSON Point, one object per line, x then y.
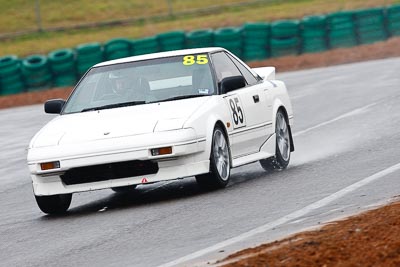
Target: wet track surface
{"type": "Point", "coordinates": [346, 129]}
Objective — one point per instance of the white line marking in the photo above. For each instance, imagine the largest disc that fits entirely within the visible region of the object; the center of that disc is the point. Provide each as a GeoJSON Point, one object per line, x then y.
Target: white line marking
{"type": "Point", "coordinates": [348, 114]}
{"type": "Point", "coordinates": [292, 216]}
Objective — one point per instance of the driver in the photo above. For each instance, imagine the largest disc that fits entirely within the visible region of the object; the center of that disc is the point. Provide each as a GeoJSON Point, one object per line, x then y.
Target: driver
{"type": "Point", "coordinates": [120, 83]}
{"type": "Point", "coordinates": [129, 87]}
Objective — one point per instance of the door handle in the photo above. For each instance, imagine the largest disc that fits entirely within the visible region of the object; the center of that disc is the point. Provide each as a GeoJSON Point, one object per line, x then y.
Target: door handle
{"type": "Point", "coordinates": [256, 98]}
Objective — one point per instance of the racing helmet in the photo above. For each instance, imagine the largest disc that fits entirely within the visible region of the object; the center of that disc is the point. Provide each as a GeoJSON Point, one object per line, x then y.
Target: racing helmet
{"type": "Point", "coordinates": [119, 82]}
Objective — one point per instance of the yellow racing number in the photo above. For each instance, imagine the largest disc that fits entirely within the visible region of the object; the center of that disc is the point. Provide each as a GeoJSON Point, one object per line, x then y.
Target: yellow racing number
{"type": "Point", "coordinates": [202, 59]}
{"type": "Point", "coordinates": [190, 60]}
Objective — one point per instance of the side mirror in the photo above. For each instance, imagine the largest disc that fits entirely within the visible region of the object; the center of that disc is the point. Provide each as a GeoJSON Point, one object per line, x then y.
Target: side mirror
{"type": "Point", "coordinates": [54, 106]}
{"type": "Point", "coordinates": [232, 83]}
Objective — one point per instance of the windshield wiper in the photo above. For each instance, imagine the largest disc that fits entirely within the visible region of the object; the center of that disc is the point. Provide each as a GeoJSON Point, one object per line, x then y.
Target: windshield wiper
{"type": "Point", "coordinates": [117, 105]}
{"type": "Point", "coordinates": [177, 98]}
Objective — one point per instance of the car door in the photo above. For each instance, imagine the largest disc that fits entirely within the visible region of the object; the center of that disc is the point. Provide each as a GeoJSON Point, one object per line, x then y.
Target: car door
{"type": "Point", "coordinates": [247, 108]}
{"type": "Point", "coordinates": [264, 89]}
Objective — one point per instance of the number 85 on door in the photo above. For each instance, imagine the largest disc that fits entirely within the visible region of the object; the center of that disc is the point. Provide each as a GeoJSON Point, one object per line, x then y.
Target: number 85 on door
{"type": "Point", "coordinates": [236, 111]}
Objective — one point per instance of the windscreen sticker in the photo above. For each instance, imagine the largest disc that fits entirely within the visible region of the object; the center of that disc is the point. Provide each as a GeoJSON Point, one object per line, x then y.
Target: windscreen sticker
{"type": "Point", "coordinates": [204, 91]}
{"type": "Point", "coordinates": [190, 60]}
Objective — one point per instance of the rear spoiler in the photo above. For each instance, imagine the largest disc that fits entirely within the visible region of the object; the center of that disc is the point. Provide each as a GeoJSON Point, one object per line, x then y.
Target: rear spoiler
{"type": "Point", "coordinates": [267, 73]}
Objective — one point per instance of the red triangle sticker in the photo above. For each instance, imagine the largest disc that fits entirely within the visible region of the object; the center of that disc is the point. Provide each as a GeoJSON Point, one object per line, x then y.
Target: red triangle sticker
{"type": "Point", "coordinates": [144, 180]}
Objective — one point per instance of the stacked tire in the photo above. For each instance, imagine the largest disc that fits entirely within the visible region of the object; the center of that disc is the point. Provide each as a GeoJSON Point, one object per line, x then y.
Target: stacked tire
{"type": "Point", "coordinates": [229, 38]}
{"type": "Point", "coordinates": [256, 41]}
{"type": "Point", "coordinates": [145, 46]}
{"type": "Point", "coordinates": [36, 72]}
{"type": "Point", "coordinates": [62, 65]}
{"type": "Point", "coordinates": [88, 55]}
{"type": "Point", "coordinates": [370, 25]}
{"type": "Point", "coordinates": [117, 48]}
{"type": "Point", "coordinates": [200, 38]}
{"type": "Point", "coordinates": [341, 29]}
{"type": "Point", "coordinates": [11, 81]}
{"type": "Point", "coordinates": [285, 38]}
{"type": "Point", "coordinates": [313, 34]}
{"type": "Point", "coordinates": [170, 41]}
{"type": "Point", "coordinates": [393, 20]}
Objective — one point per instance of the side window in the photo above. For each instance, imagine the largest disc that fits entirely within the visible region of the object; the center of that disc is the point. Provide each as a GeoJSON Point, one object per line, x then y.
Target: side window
{"type": "Point", "coordinates": [246, 73]}
{"type": "Point", "coordinates": [224, 67]}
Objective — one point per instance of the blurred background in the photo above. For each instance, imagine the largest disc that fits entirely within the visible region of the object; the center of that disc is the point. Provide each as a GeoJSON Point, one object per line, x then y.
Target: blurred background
{"type": "Point", "coordinates": [46, 44]}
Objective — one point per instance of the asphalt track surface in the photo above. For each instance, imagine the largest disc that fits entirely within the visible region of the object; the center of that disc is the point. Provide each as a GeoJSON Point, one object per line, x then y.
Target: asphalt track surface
{"type": "Point", "coordinates": [347, 138]}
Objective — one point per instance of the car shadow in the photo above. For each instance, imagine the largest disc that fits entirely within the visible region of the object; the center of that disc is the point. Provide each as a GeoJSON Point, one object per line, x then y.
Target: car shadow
{"type": "Point", "coordinates": [142, 195]}
{"type": "Point", "coordinates": [166, 191]}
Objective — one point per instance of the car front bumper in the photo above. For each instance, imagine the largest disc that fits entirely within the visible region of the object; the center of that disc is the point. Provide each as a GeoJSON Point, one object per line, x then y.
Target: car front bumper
{"type": "Point", "coordinates": [188, 158]}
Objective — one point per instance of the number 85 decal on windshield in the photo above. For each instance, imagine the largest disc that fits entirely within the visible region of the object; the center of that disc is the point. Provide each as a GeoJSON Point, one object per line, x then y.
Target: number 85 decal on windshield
{"type": "Point", "coordinates": [237, 112]}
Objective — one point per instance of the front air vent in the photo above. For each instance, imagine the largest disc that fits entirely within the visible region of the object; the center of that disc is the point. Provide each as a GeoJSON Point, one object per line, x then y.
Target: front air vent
{"type": "Point", "coordinates": [110, 171]}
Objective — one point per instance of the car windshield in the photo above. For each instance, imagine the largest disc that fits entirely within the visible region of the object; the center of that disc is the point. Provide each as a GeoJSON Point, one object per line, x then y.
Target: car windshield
{"type": "Point", "coordinates": [142, 82]}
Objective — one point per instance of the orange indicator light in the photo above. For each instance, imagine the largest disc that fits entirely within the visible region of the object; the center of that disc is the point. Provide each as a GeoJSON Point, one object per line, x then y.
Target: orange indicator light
{"type": "Point", "coordinates": [49, 165]}
{"type": "Point", "coordinates": [161, 151]}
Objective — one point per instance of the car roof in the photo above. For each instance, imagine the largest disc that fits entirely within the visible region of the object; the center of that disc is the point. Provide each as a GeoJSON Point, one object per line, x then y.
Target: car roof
{"type": "Point", "coordinates": [161, 55]}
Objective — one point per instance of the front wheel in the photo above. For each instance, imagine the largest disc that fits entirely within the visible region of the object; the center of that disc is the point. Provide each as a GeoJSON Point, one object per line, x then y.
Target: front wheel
{"type": "Point", "coordinates": [55, 204]}
{"type": "Point", "coordinates": [282, 151]}
{"type": "Point", "coordinates": [220, 166]}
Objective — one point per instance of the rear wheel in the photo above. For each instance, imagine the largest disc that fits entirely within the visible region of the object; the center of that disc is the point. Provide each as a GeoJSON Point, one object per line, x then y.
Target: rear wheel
{"type": "Point", "coordinates": [282, 151]}
{"type": "Point", "coordinates": [55, 204]}
{"type": "Point", "coordinates": [124, 189]}
{"type": "Point", "coordinates": [220, 166]}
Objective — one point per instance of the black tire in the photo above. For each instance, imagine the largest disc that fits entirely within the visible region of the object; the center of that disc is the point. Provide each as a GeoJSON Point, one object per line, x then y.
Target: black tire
{"type": "Point", "coordinates": [281, 159]}
{"type": "Point", "coordinates": [124, 189]}
{"type": "Point", "coordinates": [55, 204]}
{"type": "Point", "coordinates": [220, 166]}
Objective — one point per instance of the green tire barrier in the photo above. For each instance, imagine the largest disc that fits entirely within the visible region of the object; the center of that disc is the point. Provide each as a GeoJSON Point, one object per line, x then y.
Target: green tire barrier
{"type": "Point", "coordinates": [11, 81]}
{"type": "Point", "coordinates": [62, 65]}
{"type": "Point", "coordinates": [36, 72]}
{"type": "Point", "coordinates": [256, 34]}
{"type": "Point", "coordinates": [170, 41]}
{"type": "Point", "coordinates": [285, 38]}
{"type": "Point", "coordinates": [200, 38]}
{"type": "Point", "coordinates": [229, 38]}
{"type": "Point", "coordinates": [369, 16]}
{"type": "Point", "coordinates": [370, 25]}
{"type": "Point", "coordinates": [393, 20]}
{"type": "Point", "coordinates": [394, 28]}
{"type": "Point", "coordinates": [313, 34]}
{"type": "Point", "coordinates": [88, 55]}
{"type": "Point", "coordinates": [117, 48]}
{"type": "Point", "coordinates": [256, 53]}
{"type": "Point", "coordinates": [341, 29]}
{"type": "Point", "coordinates": [284, 47]}
{"type": "Point", "coordinates": [285, 29]}
{"type": "Point", "coordinates": [256, 41]}
{"type": "Point", "coordinates": [145, 46]}
{"type": "Point", "coordinates": [64, 80]}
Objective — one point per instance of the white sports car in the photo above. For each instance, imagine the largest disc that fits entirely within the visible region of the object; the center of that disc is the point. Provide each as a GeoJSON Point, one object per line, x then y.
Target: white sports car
{"type": "Point", "coordinates": [157, 117]}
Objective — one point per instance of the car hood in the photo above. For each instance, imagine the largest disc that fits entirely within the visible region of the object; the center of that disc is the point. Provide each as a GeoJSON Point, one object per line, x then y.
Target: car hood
{"type": "Point", "coordinates": [118, 122]}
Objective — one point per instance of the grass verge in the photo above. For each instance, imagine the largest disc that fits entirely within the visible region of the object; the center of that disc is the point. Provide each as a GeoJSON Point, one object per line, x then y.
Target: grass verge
{"type": "Point", "coordinates": [44, 42]}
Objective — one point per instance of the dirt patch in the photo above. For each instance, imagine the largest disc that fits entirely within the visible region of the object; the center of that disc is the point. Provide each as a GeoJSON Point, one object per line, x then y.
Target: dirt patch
{"type": "Point", "coordinates": [32, 98]}
{"type": "Point", "coordinates": [389, 48]}
{"type": "Point", "coordinates": [369, 239]}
